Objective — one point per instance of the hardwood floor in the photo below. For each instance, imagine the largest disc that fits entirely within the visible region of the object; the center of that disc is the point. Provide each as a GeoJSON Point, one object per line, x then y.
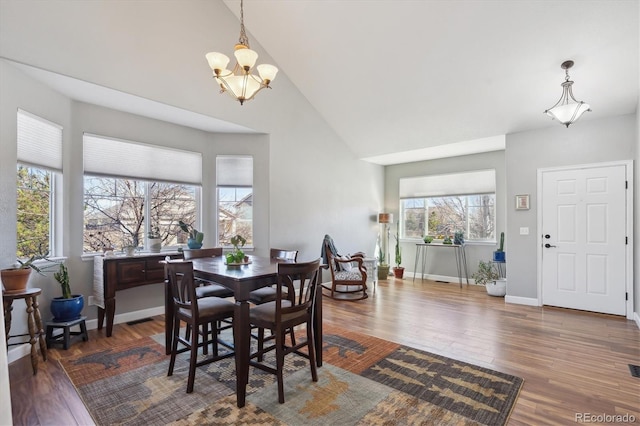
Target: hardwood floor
{"type": "Point", "coordinates": [572, 362]}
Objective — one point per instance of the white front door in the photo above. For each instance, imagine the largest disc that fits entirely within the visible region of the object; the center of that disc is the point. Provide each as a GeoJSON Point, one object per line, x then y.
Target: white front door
{"type": "Point", "coordinates": [583, 238]}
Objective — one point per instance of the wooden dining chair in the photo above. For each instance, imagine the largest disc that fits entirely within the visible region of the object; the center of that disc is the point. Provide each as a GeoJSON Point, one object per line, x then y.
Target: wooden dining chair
{"type": "Point", "coordinates": [201, 314]}
{"type": "Point", "coordinates": [268, 294]}
{"type": "Point", "coordinates": [285, 313]}
{"type": "Point", "coordinates": [207, 288]}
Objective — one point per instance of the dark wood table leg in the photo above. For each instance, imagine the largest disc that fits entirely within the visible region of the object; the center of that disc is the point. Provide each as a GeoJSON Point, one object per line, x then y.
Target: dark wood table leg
{"type": "Point", "coordinates": [100, 317]}
{"type": "Point", "coordinates": [32, 333]}
{"type": "Point", "coordinates": [7, 305]}
{"type": "Point", "coordinates": [168, 318]}
{"type": "Point", "coordinates": [39, 328]}
{"type": "Point", "coordinates": [317, 326]}
{"type": "Point", "coordinates": [241, 341]}
{"type": "Point", "coordinates": [110, 305]}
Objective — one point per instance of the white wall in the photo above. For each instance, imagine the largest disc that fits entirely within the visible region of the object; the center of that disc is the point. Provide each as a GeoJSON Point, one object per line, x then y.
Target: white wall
{"type": "Point", "coordinates": [636, 219]}
{"type": "Point", "coordinates": [585, 142]}
{"type": "Point", "coordinates": [442, 262]}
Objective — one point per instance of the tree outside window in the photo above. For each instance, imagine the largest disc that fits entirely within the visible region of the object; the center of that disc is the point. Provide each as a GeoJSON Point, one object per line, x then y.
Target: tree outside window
{"type": "Point", "coordinates": [472, 214]}
{"type": "Point", "coordinates": [235, 214]}
{"type": "Point", "coordinates": [34, 206]}
{"type": "Point", "coordinates": [121, 212]}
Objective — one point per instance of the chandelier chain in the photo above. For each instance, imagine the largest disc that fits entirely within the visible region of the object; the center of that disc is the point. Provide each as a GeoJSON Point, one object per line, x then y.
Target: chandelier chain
{"type": "Point", "coordinates": [244, 40]}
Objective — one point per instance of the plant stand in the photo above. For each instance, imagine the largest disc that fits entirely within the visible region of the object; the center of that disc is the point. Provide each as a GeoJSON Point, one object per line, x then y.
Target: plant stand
{"type": "Point", "coordinates": [65, 338]}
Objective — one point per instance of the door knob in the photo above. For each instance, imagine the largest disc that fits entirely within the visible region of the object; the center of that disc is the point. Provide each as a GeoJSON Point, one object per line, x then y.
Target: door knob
{"type": "Point", "coordinates": [548, 245]}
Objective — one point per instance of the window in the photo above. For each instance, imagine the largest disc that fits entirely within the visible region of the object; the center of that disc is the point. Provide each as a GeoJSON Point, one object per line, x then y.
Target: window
{"type": "Point", "coordinates": [445, 204]}
{"type": "Point", "coordinates": [131, 196]}
{"type": "Point", "coordinates": [39, 144]}
{"type": "Point", "coordinates": [234, 183]}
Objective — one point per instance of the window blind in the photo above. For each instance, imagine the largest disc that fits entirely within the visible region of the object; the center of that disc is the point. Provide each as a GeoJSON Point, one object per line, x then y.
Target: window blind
{"type": "Point", "coordinates": [476, 182]}
{"type": "Point", "coordinates": [39, 142]}
{"type": "Point", "coordinates": [234, 171]}
{"type": "Point", "coordinates": [104, 156]}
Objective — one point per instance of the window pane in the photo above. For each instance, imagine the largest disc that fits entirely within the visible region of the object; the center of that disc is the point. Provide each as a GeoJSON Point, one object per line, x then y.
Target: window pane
{"type": "Point", "coordinates": [235, 214]}
{"type": "Point", "coordinates": [441, 216]}
{"type": "Point", "coordinates": [171, 203]}
{"type": "Point", "coordinates": [115, 212]}
{"type": "Point", "coordinates": [34, 195]}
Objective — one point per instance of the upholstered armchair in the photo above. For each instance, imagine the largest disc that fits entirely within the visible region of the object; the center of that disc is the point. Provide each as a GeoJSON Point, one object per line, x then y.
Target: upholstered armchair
{"type": "Point", "coordinates": [348, 273]}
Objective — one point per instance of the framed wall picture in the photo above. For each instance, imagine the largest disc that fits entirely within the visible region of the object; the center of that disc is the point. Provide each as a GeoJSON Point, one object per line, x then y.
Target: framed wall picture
{"type": "Point", "coordinates": [522, 202]}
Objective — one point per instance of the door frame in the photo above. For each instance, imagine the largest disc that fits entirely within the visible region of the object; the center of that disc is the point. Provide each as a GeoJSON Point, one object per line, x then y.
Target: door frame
{"type": "Point", "coordinates": [628, 225]}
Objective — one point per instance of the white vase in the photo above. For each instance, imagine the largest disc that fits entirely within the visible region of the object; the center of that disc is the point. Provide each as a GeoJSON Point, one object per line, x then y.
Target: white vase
{"type": "Point", "coordinates": [155, 245]}
{"type": "Point", "coordinates": [497, 288]}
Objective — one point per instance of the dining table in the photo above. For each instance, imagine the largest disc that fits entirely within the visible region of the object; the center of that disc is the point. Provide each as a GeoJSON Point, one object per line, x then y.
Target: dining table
{"type": "Point", "coordinates": [242, 279]}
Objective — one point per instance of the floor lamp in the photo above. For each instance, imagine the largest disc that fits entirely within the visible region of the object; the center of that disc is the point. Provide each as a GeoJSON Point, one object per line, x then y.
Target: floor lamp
{"type": "Point", "coordinates": [386, 219]}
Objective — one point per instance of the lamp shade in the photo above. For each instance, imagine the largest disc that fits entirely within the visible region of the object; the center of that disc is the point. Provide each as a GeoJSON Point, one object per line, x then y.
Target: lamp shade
{"type": "Point", "coordinates": [267, 72]}
{"type": "Point", "coordinates": [385, 218]}
{"type": "Point", "coordinates": [217, 61]}
{"type": "Point", "coordinates": [568, 113]}
{"type": "Point", "coordinates": [246, 58]}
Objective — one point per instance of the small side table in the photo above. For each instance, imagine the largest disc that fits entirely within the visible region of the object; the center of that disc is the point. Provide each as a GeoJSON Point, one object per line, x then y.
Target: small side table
{"type": "Point", "coordinates": [34, 321]}
{"type": "Point", "coordinates": [65, 338]}
{"type": "Point", "coordinates": [371, 263]}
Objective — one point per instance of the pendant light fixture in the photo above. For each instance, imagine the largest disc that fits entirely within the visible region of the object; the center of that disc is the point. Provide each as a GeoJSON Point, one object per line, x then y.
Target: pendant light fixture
{"type": "Point", "coordinates": [240, 83]}
{"type": "Point", "coordinates": [567, 110]}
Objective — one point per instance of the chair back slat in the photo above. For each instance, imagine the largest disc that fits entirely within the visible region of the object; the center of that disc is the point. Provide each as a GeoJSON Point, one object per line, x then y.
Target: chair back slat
{"type": "Point", "coordinates": [180, 276]}
{"type": "Point", "coordinates": [281, 254]}
{"type": "Point", "coordinates": [302, 275]}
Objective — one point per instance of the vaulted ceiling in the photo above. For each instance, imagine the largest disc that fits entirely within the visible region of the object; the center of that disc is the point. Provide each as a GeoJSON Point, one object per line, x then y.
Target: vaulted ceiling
{"type": "Point", "coordinates": [397, 80]}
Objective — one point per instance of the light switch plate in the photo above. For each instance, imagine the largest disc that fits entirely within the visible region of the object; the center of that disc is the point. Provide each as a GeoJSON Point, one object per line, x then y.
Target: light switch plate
{"type": "Point", "coordinates": [524, 230]}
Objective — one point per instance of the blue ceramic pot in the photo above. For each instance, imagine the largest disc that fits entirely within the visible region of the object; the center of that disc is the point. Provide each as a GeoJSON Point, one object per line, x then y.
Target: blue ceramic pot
{"type": "Point", "coordinates": [193, 244]}
{"type": "Point", "coordinates": [67, 309]}
{"type": "Point", "coordinates": [499, 256]}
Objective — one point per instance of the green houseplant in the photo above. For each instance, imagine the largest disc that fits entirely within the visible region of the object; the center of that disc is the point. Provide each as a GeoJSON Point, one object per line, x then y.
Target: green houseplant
{"type": "Point", "coordinates": [398, 270]}
{"type": "Point", "coordinates": [155, 239]}
{"type": "Point", "coordinates": [487, 275]}
{"type": "Point", "coordinates": [69, 306]}
{"type": "Point", "coordinates": [500, 255]}
{"type": "Point", "coordinates": [195, 237]}
{"type": "Point", "coordinates": [14, 280]}
{"type": "Point", "coordinates": [383, 266]}
{"type": "Point", "coordinates": [237, 255]}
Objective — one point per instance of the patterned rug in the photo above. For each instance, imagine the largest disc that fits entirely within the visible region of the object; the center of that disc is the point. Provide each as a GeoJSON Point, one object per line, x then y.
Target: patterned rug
{"type": "Point", "coordinates": [364, 380]}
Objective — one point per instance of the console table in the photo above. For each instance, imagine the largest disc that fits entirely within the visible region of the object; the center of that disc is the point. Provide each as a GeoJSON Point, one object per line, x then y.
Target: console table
{"type": "Point", "coordinates": [111, 274]}
{"type": "Point", "coordinates": [458, 249]}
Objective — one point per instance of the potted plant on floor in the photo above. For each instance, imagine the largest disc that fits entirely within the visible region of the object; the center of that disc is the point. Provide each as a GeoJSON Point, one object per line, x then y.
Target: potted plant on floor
{"type": "Point", "coordinates": [14, 280]}
{"type": "Point", "coordinates": [398, 270]}
{"type": "Point", "coordinates": [195, 237]}
{"type": "Point", "coordinates": [67, 307]}
{"type": "Point", "coordinates": [488, 276]}
{"type": "Point", "coordinates": [383, 267]}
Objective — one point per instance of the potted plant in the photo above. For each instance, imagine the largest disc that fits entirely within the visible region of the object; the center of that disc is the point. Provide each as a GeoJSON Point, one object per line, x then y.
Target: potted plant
{"type": "Point", "coordinates": [14, 280]}
{"type": "Point", "coordinates": [195, 237]}
{"type": "Point", "coordinates": [155, 239]}
{"type": "Point", "coordinates": [428, 239]}
{"type": "Point", "coordinates": [67, 307]}
{"type": "Point", "coordinates": [458, 238]}
{"type": "Point", "coordinates": [500, 255]}
{"type": "Point", "coordinates": [383, 267]}
{"type": "Point", "coordinates": [488, 276]}
{"type": "Point", "coordinates": [398, 270]}
{"type": "Point", "coordinates": [237, 255]}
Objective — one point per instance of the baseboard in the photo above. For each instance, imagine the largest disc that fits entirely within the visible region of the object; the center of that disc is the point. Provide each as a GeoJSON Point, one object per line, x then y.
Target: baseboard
{"type": "Point", "coordinates": [516, 300]}
{"type": "Point", "coordinates": [129, 316]}
{"type": "Point", "coordinates": [23, 350]}
{"type": "Point", "coordinates": [636, 318]}
{"type": "Point", "coordinates": [441, 278]}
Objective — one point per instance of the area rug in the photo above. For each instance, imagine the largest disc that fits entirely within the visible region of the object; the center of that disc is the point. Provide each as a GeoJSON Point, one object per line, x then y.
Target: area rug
{"type": "Point", "coordinates": [363, 381]}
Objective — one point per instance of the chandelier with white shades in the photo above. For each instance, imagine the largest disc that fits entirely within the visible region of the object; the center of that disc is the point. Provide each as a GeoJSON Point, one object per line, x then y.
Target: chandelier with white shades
{"type": "Point", "coordinates": [567, 110]}
{"type": "Point", "coordinates": [240, 83]}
